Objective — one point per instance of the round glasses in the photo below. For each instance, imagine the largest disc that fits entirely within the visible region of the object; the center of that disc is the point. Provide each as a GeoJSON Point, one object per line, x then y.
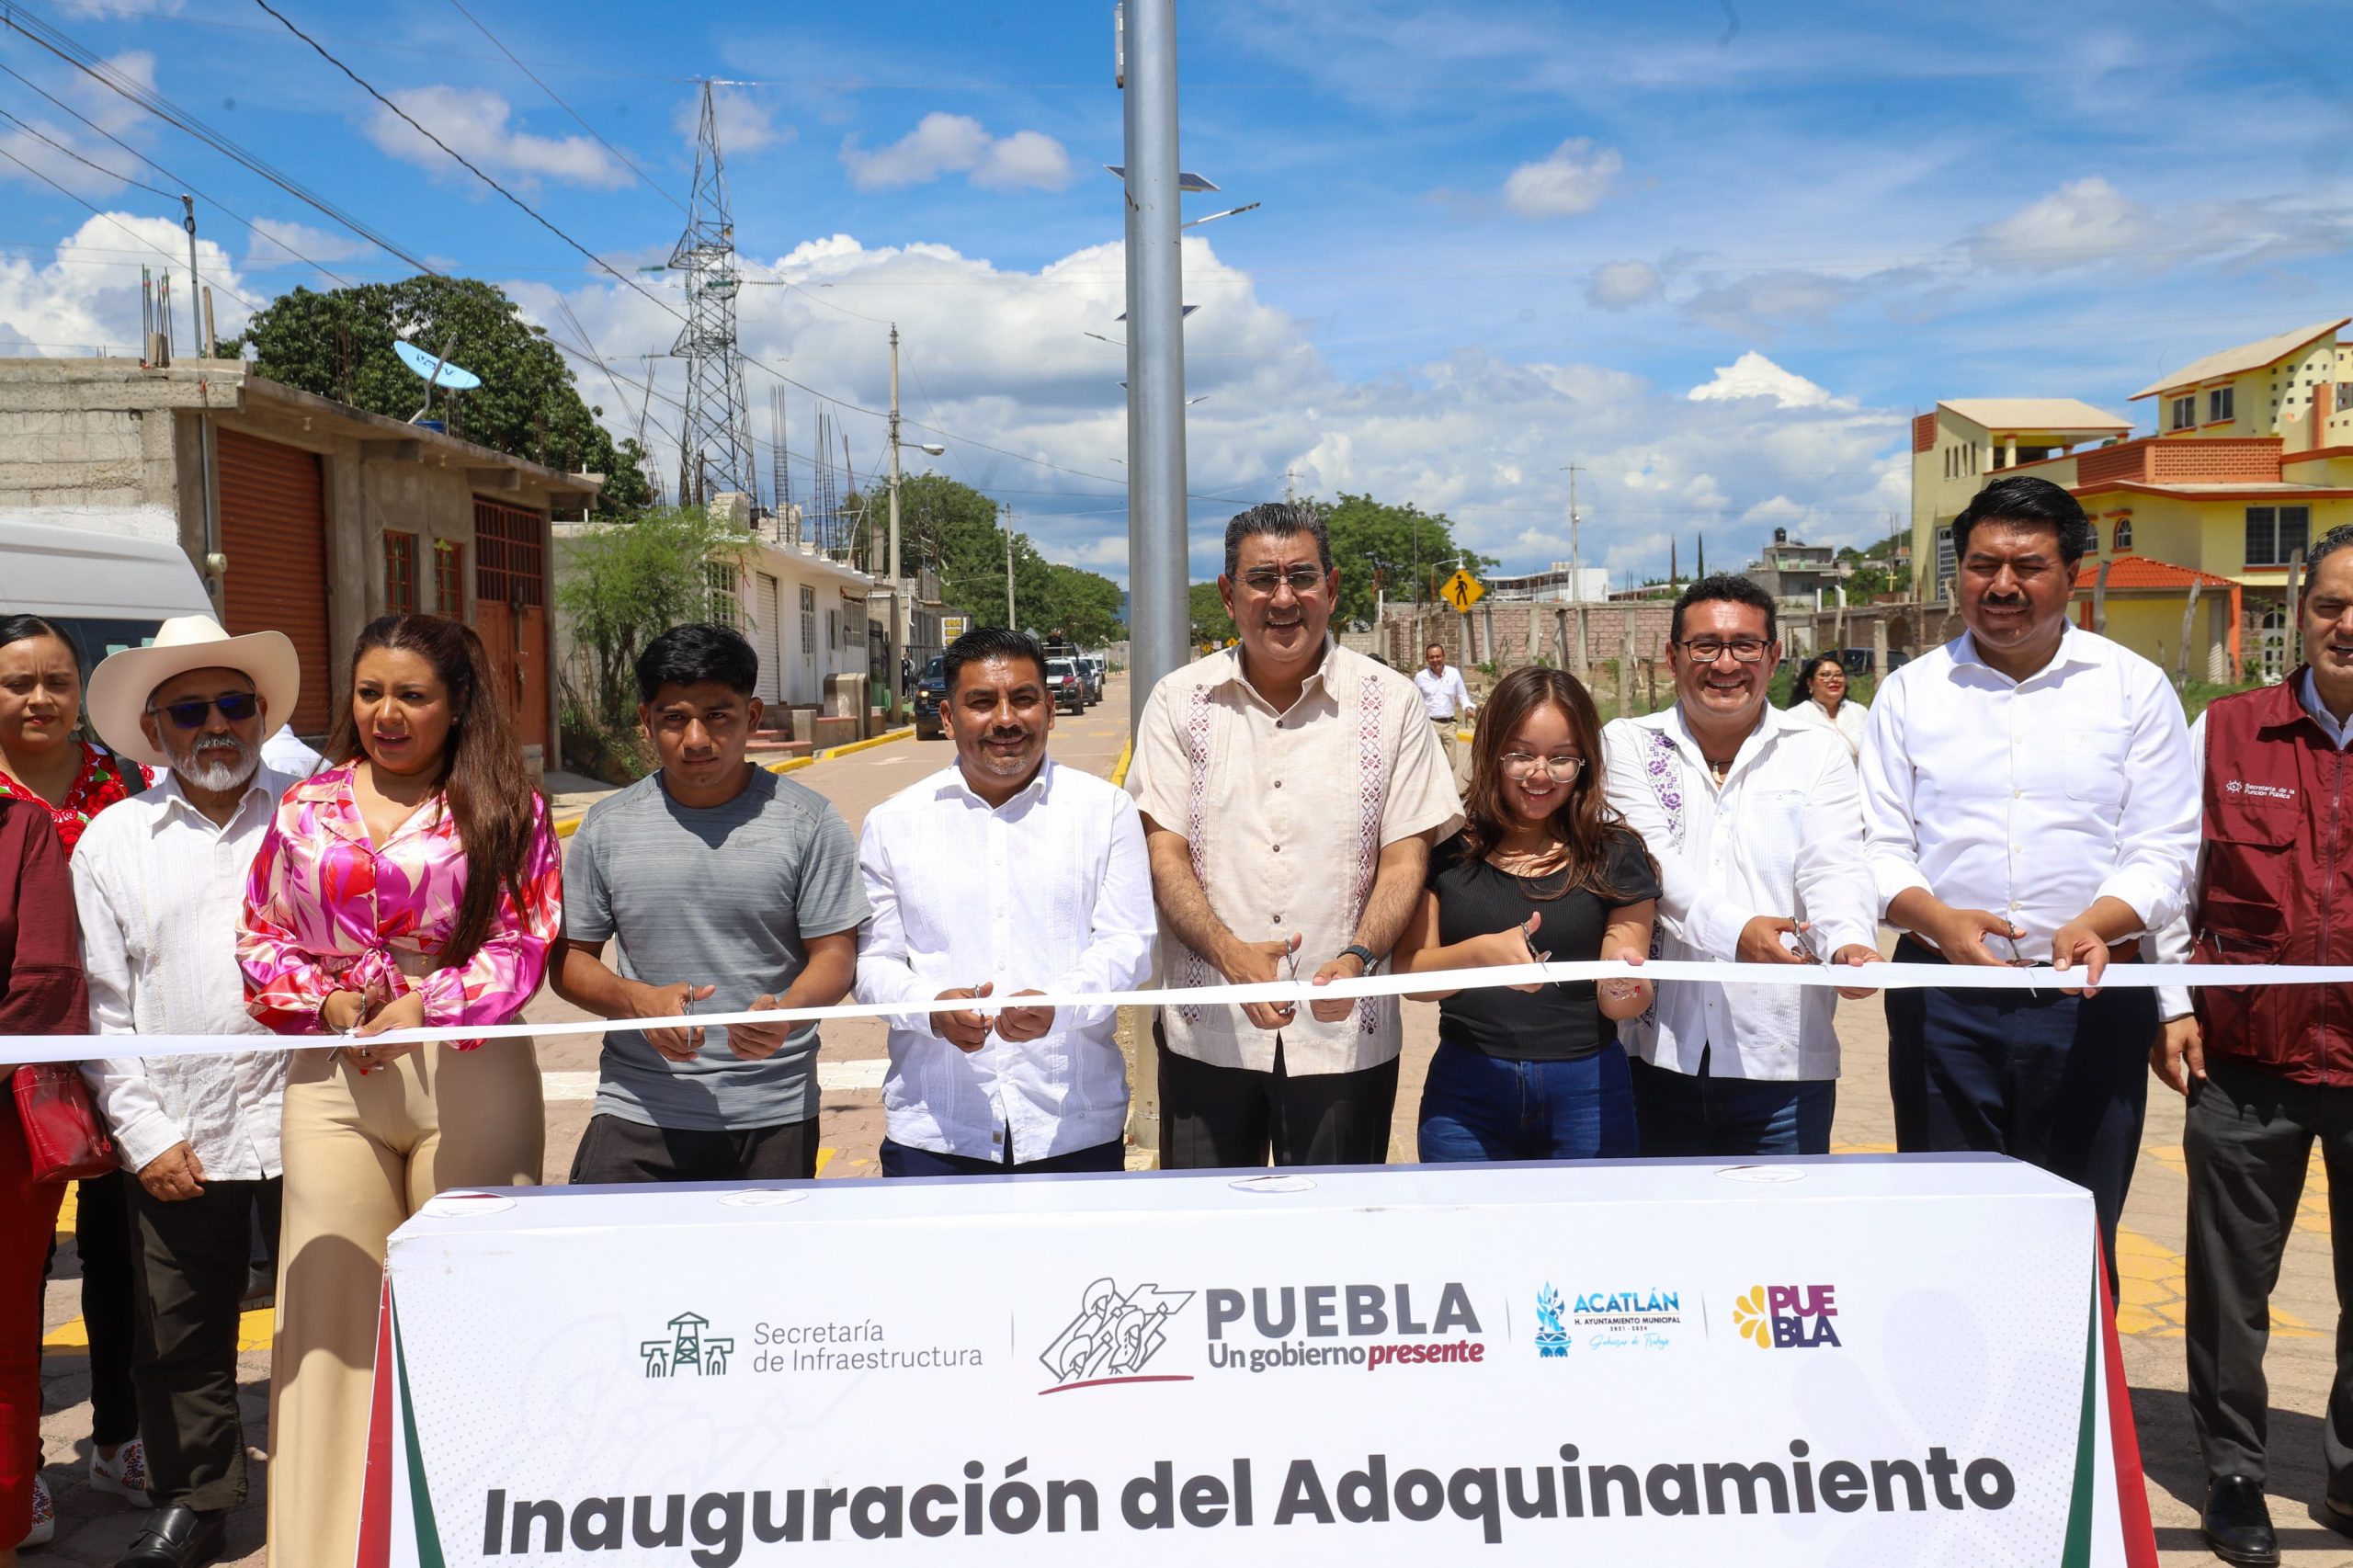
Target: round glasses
{"type": "Point", "coordinates": [1526, 764]}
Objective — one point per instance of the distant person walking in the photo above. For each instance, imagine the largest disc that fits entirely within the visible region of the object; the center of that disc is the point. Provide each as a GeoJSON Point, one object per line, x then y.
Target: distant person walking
{"type": "Point", "coordinates": [1447, 702]}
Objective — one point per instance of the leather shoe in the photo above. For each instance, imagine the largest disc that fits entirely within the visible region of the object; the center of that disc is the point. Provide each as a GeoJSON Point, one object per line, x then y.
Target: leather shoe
{"type": "Point", "coordinates": [178, 1537]}
{"type": "Point", "coordinates": [2238, 1522]}
{"type": "Point", "coordinates": [2338, 1515]}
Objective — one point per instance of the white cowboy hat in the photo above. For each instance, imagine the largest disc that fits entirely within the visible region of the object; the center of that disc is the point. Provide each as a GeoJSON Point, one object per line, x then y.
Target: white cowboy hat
{"type": "Point", "coordinates": [123, 681]}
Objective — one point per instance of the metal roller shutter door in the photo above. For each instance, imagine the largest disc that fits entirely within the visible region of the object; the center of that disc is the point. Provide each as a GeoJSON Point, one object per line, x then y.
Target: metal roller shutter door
{"type": "Point", "coordinates": [768, 639]}
{"type": "Point", "coordinates": [273, 530]}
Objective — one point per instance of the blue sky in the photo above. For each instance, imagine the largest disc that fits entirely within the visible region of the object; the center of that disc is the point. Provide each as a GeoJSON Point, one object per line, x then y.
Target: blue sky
{"type": "Point", "coordinates": [1713, 252]}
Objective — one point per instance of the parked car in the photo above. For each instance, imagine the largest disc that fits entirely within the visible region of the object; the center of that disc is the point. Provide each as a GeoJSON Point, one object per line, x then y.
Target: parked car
{"type": "Point", "coordinates": [1098, 670]}
{"type": "Point", "coordinates": [931, 692]}
{"type": "Point", "coordinates": [1068, 687]}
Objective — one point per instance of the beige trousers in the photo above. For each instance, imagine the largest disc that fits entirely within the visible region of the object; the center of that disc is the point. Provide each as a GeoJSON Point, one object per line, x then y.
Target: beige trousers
{"type": "Point", "coordinates": [1457, 763]}
{"type": "Point", "coordinates": [362, 1153]}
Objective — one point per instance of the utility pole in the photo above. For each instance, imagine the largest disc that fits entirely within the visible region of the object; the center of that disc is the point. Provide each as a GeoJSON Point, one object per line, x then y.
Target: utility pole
{"type": "Point", "coordinates": [1011, 624]}
{"type": "Point", "coordinates": [202, 350]}
{"type": "Point", "coordinates": [1145, 69]}
{"type": "Point", "coordinates": [1576, 562]}
{"type": "Point", "coordinates": [898, 588]}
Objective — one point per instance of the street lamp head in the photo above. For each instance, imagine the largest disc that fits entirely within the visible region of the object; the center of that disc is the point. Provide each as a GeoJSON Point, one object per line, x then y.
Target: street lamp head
{"type": "Point", "coordinates": [934, 448]}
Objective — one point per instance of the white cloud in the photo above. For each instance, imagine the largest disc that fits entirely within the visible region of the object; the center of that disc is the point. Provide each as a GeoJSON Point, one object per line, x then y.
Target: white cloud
{"type": "Point", "coordinates": [87, 297]}
{"type": "Point", "coordinates": [1753, 375]}
{"type": "Point", "coordinates": [277, 244]}
{"type": "Point", "coordinates": [1755, 303]}
{"type": "Point", "coordinates": [116, 10]}
{"type": "Point", "coordinates": [2088, 221]}
{"type": "Point", "coordinates": [745, 124]}
{"type": "Point", "coordinates": [1572, 179]}
{"type": "Point", "coordinates": [956, 144]}
{"type": "Point", "coordinates": [1622, 284]}
{"type": "Point", "coordinates": [474, 121]}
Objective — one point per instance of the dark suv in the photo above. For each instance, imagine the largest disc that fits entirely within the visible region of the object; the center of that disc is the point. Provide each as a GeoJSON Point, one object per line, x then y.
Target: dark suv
{"type": "Point", "coordinates": [931, 692]}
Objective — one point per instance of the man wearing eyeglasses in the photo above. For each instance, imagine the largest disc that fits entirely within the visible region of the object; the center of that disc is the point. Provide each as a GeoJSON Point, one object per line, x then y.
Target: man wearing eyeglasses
{"type": "Point", "coordinates": [1447, 702]}
{"type": "Point", "coordinates": [1756, 821]}
{"type": "Point", "coordinates": [1290, 791]}
{"type": "Point", "coordinates": [2029, 796]}
{"type": "Point", "coordinates": [159, 879]}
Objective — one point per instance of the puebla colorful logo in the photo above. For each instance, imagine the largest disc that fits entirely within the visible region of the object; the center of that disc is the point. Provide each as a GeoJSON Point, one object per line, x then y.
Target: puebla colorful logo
{"type": "Point", "coordinates": [1787, 1317]}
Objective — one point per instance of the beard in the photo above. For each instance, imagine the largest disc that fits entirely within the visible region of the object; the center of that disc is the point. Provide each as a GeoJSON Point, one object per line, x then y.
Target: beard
{"type": "Point", "coordinates": [216, 763]}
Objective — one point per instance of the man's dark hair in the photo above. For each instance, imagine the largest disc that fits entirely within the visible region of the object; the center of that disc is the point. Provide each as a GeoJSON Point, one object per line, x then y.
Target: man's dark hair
{"type": "Point", "coordinates": [696, 653]}
{"type": "Point", "coordinates": [1282, 519]}
{"type": "Point", "coordinates": [2030, 501]}
{"type": "Point", "coordinates": [1440, 646]}
{"type": "Point", "coordinates": [1728, 586]}
{"type": "Point", "coordinates": [2329, 543]}
{"type": "Point", "coordinates": [989, 642]}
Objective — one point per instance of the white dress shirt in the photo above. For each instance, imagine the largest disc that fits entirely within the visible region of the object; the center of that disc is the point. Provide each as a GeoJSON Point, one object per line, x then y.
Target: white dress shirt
{"type": "Point", "coordinates": [159, 888]}
{"type": "Point", "coordinates": [1050, 892]}
{"type": "Point", "coordinates": [1782, 835]}
{"type": "Point", "coordinates": [1443, 695]}
{"type": "Point", "coordinates": [2033, 798]}
{"type": "Point", "coordinates": [2175, 941]}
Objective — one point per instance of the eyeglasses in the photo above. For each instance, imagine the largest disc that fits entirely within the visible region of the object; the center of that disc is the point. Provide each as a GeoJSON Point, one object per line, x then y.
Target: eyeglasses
{"type": "Point", "coordinates": [236, 706]}
{"type": "Point", "coordinates": [1302, 581]}
{"type": "Point", "coordinates": [1520, 764]}
{"type": "Point", "coordinates": [1707, 650]}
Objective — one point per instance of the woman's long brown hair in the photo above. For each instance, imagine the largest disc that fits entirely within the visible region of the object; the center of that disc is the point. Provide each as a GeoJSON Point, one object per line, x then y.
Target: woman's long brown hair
{"type": "Point", "coordinates": [1584, 824]}
{"type": "Point", "coordinates": [483, 785]}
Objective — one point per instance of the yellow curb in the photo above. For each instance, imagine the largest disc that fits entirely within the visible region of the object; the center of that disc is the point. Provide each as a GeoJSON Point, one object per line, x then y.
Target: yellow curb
{"type": "Point", "coordinates": [567, 826]}
{"type": "Point", "coordinates": [1119, 768]}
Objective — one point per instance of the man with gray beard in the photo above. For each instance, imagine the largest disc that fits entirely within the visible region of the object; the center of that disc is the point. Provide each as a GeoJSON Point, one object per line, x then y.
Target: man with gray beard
{"type": "Point", "coordinates": [158, 880]}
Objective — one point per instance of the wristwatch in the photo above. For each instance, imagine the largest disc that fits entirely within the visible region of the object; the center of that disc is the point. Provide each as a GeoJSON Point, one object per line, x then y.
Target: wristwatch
{"type": "Point", "coordinates": [1362, 953]}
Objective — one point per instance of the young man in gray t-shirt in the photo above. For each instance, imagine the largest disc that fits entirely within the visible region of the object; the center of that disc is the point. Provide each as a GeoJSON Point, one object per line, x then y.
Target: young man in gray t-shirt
{"type": "Point", "coordinates": [725, 888]}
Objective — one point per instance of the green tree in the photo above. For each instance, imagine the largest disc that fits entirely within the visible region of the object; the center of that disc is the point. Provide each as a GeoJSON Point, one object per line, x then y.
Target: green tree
{"type": "Point", "coordinates": [1372, 537]}
{"type": "Point", "coordinates": [956, 530]}
{"type": "Point", "coordinates": [1210, 622]}
{"type": "Point", "coordinates": [622, 584]}
{"type": "Point", "coordinates": [1080, 606]}
{"type": "Point", "coordinates": [339, 345]}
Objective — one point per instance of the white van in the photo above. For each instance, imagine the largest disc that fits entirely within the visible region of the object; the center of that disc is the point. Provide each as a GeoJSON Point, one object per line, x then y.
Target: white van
{"type": "Point", "coordinates": [111, 591]}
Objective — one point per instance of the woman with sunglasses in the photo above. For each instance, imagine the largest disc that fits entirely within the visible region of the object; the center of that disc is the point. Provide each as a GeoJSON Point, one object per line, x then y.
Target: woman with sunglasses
{"type": "Point", "coordinates": [46, 765]}
{"type": "Point", "coordinates": [412, 882]}
{"type": "Point", "coordinates": [1542, 869]}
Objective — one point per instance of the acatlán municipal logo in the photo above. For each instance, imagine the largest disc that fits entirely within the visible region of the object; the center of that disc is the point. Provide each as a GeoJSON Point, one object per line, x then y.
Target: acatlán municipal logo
{"type": "Point", "coordinates": [1789, 1317]}
{"type": "Point", "coordinates": [1115, 1334]}
{"type": "Point", "coordinates": [1552, 1334]}
{"type": "Point", "coordinates": [688, 1350]}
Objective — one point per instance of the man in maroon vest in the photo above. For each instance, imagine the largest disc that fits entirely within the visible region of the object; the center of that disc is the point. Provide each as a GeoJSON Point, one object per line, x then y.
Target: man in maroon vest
{"type": "Point", "coordinates": [2267, 1068]}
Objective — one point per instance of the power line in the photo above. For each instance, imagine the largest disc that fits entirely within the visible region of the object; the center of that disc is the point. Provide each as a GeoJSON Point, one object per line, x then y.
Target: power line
{"type": "Point", "coordinates": [643, 176]}
{"type": "Point", "coordinates": [522, 206]}
{"type": "Point", "coordinates": [81, 160]}
{"type": "Point", "coordinates": [117, 223]}
{"type": "Point", "coordinates": [107, 74]}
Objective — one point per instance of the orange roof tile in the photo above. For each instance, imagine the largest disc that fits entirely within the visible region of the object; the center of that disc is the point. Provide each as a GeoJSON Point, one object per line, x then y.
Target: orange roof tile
{"type": "Point", "coordinates": [2142, 572]}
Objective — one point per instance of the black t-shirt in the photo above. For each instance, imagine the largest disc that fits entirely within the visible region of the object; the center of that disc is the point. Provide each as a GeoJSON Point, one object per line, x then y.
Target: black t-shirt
{"type": "Point", "coordinates": [1559, 1023]}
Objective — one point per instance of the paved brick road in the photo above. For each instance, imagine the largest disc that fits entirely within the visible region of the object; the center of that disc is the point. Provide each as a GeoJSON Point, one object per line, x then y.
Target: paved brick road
{"type": "Point", "coordinates": [93, 1529]}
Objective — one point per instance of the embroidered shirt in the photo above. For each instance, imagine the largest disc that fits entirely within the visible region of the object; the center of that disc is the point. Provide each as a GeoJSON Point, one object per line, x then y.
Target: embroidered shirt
{"type": "Point", "coordinates": [98, 785]}
{"type": "Point", "coordinates": [328, 910]}
{"type": "Point", "coordinates": [1285, 814]}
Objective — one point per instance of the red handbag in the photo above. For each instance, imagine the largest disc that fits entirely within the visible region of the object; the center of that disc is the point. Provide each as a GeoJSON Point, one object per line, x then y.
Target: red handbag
{"type": "Point", "coordinates": [63, 1133]}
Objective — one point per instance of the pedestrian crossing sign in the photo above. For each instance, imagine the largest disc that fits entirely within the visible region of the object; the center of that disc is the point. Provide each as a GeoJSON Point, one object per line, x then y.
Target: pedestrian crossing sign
{"type": "Point", "coordinates": [1462, 590]}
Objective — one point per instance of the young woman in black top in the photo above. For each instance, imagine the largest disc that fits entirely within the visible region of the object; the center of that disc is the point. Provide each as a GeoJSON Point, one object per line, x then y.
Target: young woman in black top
{"type": "Point", "coordinates": [1542, 867]}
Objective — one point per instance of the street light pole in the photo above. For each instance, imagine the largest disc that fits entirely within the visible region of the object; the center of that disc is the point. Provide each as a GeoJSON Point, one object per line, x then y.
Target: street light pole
{"type": "Point", "coordinates": [1011, 622]}
{"type": "Point", "coordinates": [1157, 568]}
{"type": "Point", "coordinates": [1576, 562]}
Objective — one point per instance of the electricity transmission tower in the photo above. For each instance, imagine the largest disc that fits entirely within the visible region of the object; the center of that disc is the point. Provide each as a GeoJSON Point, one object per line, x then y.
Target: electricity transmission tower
{"type": "Point", "coordinates": [717, 455]}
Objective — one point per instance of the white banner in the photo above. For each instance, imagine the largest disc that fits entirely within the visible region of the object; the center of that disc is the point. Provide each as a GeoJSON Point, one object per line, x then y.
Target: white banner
{"type": "Point", "coordinates": [1864, 1360]}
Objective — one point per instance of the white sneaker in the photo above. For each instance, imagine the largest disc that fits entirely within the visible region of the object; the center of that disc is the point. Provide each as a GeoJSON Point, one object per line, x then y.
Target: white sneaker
{"type": "Point", "coordinates": [44, 1529]}
{"type": "Point", "coordinates": [125, 1475]}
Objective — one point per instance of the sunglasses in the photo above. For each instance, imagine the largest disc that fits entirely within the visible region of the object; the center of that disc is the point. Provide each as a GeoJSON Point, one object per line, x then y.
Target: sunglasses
{"type": "Point", "coordinates": [237, 707]}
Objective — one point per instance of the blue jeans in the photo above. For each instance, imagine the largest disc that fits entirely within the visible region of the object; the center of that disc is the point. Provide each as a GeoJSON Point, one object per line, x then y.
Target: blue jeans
{"type": "Point", "coordinates": [1687, 1113]}
{"type": "Point", "coordinates": [1476, 1107]}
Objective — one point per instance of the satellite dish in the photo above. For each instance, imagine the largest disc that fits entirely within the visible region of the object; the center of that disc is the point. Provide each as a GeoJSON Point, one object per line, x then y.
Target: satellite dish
{"type": "Point", "coordinates": [437, 371]}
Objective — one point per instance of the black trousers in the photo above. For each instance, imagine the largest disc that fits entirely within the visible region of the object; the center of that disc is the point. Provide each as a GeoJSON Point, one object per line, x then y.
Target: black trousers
{"type": "Point", "coordinates": [1228, 1118]}
{"type": "Point", "coordinates": [102, 1238]}
{"type": "Point", "coordinates": [905, 1160]}
{"type": "Point", "coordinates": [2057, 1081]}
{"type": "Point", "coordinates": [615, 1150]}
{"type": "Point", "coordinates": [191, 1260]}
{"type": "Point", "coordinates": [2248, 1138]}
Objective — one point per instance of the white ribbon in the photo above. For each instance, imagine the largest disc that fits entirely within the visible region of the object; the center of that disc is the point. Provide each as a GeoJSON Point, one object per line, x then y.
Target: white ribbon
{"type": "Point", "coordinates": [19, 1050]}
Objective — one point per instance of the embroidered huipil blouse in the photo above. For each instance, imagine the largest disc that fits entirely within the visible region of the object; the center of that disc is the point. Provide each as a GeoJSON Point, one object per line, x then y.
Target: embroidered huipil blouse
{"type": "Point", "coordinates": [100, 783]}
{"type": "Point", "coordinates": [326, 910]}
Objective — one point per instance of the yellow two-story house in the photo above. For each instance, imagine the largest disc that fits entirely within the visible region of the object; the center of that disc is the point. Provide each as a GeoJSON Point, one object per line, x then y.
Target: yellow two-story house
{"type": "Point", "coordinates": [2251, 460]}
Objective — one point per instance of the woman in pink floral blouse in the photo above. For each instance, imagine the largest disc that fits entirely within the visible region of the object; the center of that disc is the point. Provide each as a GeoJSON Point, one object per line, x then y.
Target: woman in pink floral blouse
{"type": "Point", "coordinates": [414, 882]}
